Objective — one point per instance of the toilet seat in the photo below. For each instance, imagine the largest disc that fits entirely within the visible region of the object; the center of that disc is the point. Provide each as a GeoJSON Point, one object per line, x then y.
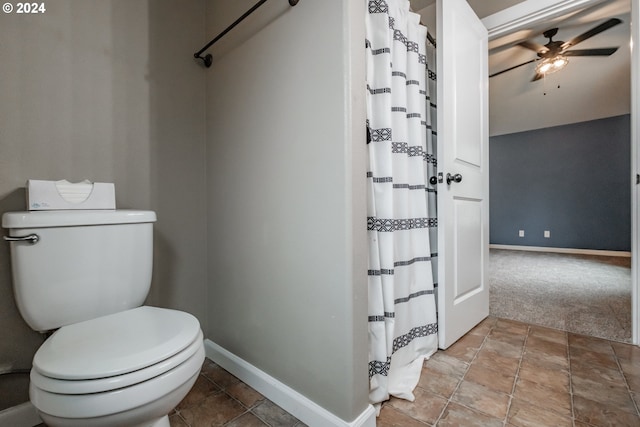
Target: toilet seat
{"type": "Point", "coordinates": [54, 385]}
{"type": "Point", "coordinates": [123, 407]}
{"type": "Point", "coordinates": [115, 351]}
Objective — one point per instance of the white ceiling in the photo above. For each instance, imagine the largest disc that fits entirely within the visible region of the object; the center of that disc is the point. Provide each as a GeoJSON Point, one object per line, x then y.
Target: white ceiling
{"type": "Point", "coordinates": [588, 88]}
{"type": "Point", "coordinates": [482, 8]}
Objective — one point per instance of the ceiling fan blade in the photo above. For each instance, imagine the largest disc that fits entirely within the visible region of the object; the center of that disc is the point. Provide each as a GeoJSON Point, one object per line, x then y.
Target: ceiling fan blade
{"type": "Point", "coordinates": [592, 32]}
{"type": "Point", "coordinates": [512, 68]}
{"type": "Point", "coordinates": [536, 47]}
{"type": "Point", "coordinates": [606, 51]}
{"type": "Point", "coordinates": [538, 76]}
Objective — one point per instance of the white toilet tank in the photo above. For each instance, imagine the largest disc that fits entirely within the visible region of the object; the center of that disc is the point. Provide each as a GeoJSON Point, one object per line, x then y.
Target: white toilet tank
{"type": "Point", "coordinates": [85, 264]}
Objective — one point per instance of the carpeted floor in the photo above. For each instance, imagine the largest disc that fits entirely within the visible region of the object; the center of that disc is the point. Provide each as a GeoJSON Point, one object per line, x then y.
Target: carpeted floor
{"type": "Point", "coordinates": [584, 294]}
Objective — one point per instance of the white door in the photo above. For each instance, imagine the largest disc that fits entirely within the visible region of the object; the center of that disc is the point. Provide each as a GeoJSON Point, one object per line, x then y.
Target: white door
{"type": "Point", "coordinates": [463, 138]}
{"type": "Point", "coordinates": [635, 168]}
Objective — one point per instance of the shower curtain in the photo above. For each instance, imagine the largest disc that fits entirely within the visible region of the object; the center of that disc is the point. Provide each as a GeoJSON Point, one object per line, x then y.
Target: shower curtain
{"type": "Point", "coordinates": [402, 310]}
{"type": "Point", "coordinates": [432, 159]}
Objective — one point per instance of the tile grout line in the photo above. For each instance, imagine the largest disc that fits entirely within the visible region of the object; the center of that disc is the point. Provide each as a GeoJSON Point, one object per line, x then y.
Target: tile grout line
{"type": "Point", "coordinates": [223, 390]}
{"type": "Point", "coordinates": [626, 382]}
{"type": "Point", "coordinates": [449, 401]}
{"type": "Point", "coordinates": [515, 378]}
{"type": "Point", "coordinates": [573, 411]}
{"type": "Point", "coordinates": [249, 410]}
{"type": "Point", "coordinates": [182, 418]}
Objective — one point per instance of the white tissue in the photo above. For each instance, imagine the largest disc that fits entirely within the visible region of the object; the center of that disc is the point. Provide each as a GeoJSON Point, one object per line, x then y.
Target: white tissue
{"type": "Point", "coordinates": [74, 192]}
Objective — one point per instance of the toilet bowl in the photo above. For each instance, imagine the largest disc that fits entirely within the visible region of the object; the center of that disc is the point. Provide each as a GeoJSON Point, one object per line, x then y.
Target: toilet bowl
{"type": "Point", "coordinates": [126, 369]}
{"type": "Point", "coordinates": [111, 362]}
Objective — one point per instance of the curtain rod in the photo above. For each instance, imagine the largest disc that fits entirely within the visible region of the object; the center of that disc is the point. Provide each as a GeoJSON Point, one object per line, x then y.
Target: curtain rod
{"type": "Point", "coordinates": [208, 59]}
{"type": "Point", "coordinates": [431, 39]}
{"type": "Point", "coordinates": [429, 36]}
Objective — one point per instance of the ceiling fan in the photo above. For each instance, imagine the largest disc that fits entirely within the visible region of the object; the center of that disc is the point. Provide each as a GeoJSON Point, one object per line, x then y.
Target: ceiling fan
{"type": "Point", "coordinates": [553, 55]}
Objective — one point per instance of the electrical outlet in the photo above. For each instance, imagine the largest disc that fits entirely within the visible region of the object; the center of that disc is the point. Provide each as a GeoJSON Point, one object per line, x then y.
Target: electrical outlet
{"type": "Point", "coordinates": [547, 234]}
{"type": "Point", "coordinates": [521, 233]}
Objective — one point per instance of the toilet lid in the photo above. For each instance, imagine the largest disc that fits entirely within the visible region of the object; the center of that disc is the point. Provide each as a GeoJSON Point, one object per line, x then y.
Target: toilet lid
{"type": "Point", "coordinates": [115, 344]}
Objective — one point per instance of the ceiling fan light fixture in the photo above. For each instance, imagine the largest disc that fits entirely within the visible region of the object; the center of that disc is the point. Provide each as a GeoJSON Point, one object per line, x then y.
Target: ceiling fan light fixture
{"type": "Point", "coordinates": [551, 65]}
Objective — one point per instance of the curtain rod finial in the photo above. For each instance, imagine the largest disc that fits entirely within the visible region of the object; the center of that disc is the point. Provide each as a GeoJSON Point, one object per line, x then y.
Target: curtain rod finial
{"type": "Point", "coordinates": [207, 60]}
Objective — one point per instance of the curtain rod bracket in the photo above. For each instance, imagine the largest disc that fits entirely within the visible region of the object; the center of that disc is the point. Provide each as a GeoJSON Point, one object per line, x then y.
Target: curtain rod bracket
{"type": "Point", "coordinates": [208, 59]}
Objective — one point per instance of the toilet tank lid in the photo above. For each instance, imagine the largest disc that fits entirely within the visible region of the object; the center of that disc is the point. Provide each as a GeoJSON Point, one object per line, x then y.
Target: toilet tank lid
{"type": "Point", "coordinates": [70, 218]}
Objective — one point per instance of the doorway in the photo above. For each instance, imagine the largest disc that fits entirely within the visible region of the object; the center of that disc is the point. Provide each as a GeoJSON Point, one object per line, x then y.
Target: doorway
{"type": "Point", "coordinates": [549, 107]}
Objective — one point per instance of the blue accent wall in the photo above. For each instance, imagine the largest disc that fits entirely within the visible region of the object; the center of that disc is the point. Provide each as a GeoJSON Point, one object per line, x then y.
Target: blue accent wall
{"type": "Point", "coordinates": [573, 180]}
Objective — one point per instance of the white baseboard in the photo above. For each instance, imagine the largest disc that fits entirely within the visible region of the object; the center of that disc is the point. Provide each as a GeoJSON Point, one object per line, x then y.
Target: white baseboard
{"type": "Point", "coordinates": [23, 415]}
{"type": "Point", "coordinates": [282, 395]}
{"type": "Point", "coordinates": [563, 250]}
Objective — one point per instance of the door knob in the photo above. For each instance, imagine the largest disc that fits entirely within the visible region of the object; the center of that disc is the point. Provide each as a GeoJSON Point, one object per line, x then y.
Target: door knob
{"type": "Point", "coordinates": [453, 178]}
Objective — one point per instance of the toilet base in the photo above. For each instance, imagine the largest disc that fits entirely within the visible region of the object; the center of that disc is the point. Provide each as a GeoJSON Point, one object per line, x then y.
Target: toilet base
{"type": "Point", "coordinates": [162, 422]}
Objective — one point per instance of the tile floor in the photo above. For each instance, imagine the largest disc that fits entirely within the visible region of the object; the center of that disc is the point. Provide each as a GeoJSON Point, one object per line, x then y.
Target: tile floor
{"type": "Point", "coordinates": [507, 373]}
{"type": "Point", "coordinates": [220, 399]}
{"type": "Point", "coordinates": [503, 373]}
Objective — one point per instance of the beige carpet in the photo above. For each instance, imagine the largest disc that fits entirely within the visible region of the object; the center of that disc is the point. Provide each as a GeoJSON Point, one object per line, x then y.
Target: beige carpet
{"type": "Point", "coordinates": [589, 295]}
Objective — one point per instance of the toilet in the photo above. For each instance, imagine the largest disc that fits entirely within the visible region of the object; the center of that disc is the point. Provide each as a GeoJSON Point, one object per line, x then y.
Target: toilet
{"type": "Point", "coordinates": [110, 361]}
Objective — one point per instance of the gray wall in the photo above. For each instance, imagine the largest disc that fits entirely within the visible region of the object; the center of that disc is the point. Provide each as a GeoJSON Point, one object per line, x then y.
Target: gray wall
{"type": "Point", "coordinates": [572, 180]}
{"type": "Point", "coordinates": [255, 167]}
{"type": "Point", "coordinates": [107, 90]}
{"type": "Point", "coordinates": [286, 174]}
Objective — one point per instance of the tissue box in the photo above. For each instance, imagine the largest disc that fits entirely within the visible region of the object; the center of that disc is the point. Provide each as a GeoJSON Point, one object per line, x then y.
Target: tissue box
{"type": "Point", "coordinates": [61, 195]}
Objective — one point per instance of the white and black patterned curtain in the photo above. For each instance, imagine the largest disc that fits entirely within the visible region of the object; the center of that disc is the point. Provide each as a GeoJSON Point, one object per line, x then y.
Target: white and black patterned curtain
{"type": "Point", "coordinates": [402, 309]}
{"type": "Point", "coordinates": [432, 156]}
